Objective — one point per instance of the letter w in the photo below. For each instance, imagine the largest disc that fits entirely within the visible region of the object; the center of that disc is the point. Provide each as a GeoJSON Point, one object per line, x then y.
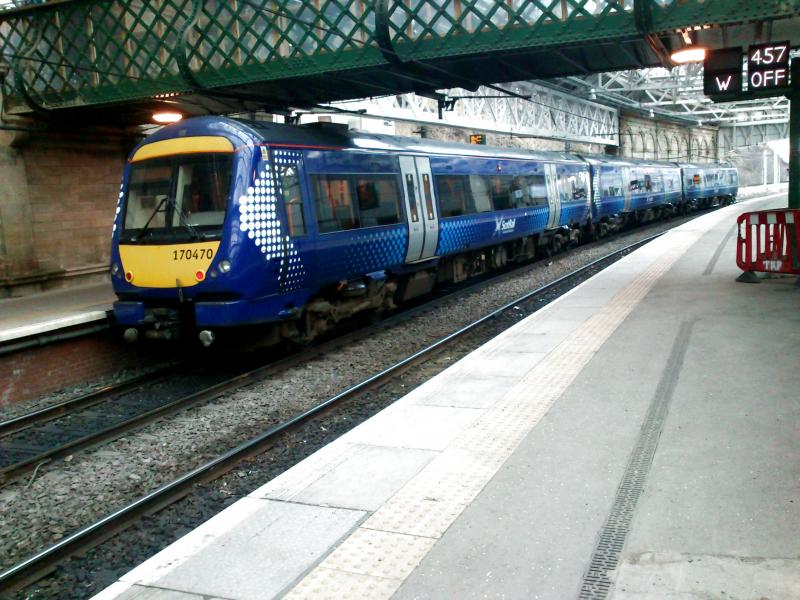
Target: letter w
{"type": "Point", "coordinates": [723, 84]}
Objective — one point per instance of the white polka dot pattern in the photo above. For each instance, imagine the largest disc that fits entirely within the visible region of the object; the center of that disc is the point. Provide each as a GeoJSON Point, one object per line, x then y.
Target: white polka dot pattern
{"type": "Point", "coordinates": [116, 214]}
{"type": "Point", "coordinates": [259, 218]}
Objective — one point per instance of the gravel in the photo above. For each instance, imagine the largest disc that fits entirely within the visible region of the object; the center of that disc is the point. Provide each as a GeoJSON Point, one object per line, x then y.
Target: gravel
{"type": "Point", "coordinates": [69, 494]}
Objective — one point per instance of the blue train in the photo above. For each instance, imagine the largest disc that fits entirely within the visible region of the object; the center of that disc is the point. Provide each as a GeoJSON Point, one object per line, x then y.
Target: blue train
{"type": "Point", "coordinates": [223, 223]}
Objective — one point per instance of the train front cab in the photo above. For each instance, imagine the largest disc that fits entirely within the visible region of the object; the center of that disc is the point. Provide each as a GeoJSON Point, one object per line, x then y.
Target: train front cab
{"type": "Point", "coordinates": [198, 239]}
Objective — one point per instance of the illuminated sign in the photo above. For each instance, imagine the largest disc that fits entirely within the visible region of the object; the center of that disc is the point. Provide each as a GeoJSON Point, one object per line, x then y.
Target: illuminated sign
{"type": "Point", "coordinates": [477, 138]}
{"type": "Point", "coordinates": [722, 72]}
{"type": "Point", "coordinates": [768, 66]}
{"type": "Point", "coordinates": [768, 69]}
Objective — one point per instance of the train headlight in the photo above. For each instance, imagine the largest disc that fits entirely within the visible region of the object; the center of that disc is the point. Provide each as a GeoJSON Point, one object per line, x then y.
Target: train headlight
{"type": "Point", "coordinates": [114, 269]}
{"type": "Point", "coordinates": [225, 266]}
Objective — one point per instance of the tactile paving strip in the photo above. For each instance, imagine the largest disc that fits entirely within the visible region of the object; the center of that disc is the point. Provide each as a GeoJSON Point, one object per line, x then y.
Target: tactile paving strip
{"type": "Point", "coordinates": [429, 503]}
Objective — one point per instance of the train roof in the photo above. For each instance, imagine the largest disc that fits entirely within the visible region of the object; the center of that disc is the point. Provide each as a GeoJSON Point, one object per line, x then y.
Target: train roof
{"type": "Point", "coordinates": [626, 162]}
{"type": "Point", "coordinates": [339, 135]}
{"type": "Point", "coordinates": [334, 135]}
{"type": "Point", "coordinates": [706, 165]}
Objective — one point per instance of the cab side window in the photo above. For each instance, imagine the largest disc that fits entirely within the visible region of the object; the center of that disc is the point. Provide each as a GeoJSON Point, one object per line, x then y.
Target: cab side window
{"type": "Point", "coordinates": [290, 186]}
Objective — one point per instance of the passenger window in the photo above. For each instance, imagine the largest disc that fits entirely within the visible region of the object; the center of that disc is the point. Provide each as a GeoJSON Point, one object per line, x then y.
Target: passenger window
{"type": "Point", "coordinates": [537, 190]}
{"type": "Point", "coordinates": [378, 200]}
{"type": "Point", "coordinates": [518, 191]}
{"type": "Point", "coordinates": [412, 197]}
{"type": "Point", "coordinates": [453, 194]}
{"type": "Point", "coordinates": [290, 187]}
{"type": "Point", "coordinates": [580, 190]}
{"type": "Point", "coordinates": [571, 185]}
{"type": "Point", "coordinates": [500, 187]}
{"type": "Point", "coordinates": [611, 184]}
{"type": "Point", "coordinates": [481, 193]}
{"type": "Point", "coordinates": [334, 203]}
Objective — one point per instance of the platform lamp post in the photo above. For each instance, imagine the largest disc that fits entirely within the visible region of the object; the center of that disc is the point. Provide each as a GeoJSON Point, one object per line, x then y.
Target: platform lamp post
{"type": "Point", "coordinates": [794, 137]}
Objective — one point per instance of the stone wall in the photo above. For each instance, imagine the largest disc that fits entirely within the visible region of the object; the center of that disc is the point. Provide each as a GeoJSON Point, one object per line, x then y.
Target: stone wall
{"type": "Point", "coordinates": [645, 138]}
{"type": "Point", "coordinates": [503, 140]}
{"type": "Point", "coordinates": [57, 197]}
{"type": "Point", "coordinates": [16, 250]}
{"type": "Point", "coordinates": [639, 138]}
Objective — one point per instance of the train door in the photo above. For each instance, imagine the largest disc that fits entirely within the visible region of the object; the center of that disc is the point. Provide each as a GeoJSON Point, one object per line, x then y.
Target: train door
{"type": "Point", "coordinates": [626, 188]}
{"type": "Point", "coordinates": [421, 211]}
{"type": "Point", "coordinates": [553, 199]}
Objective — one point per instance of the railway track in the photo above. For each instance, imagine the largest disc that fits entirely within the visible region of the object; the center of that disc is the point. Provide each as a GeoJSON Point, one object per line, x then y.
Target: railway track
{"type": "Point", "coordinates": [44, 562]}
{"type": "Point", "coordinates": [34, 439]}
{"type": "Point", "coordinates": [39, 437]}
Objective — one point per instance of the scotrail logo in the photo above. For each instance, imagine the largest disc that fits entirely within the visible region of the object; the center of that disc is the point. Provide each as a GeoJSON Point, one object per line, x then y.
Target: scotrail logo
{"type": "Point", "coordinates": [502, 225]}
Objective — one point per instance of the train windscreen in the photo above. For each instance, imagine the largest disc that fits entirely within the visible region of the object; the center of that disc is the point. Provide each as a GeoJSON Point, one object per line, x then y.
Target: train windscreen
{"type": "Point", "coordinates": [176, 199]}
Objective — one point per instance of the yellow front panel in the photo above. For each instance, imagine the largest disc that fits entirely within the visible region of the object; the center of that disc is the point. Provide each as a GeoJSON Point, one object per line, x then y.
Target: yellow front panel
{"type": "Point", "coordinates": [166, 266]}
{"type": "Point", "coordinates": [185, 145]}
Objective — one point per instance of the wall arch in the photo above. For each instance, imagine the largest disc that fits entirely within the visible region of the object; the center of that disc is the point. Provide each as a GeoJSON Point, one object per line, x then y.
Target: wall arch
{"type": "Point", "coordinates": [626, 142]}
{"type": "Point", "coordinates": [694, 152]}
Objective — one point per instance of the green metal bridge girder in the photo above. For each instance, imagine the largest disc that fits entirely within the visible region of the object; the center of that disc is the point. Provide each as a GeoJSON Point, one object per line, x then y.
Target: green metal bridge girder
{"type": "Point", "coordinates": [98, 52]}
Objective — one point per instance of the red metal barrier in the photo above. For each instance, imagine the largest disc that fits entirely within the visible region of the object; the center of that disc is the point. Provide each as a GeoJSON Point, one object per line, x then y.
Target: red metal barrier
{"type": "Point", "coordinates": [769, 241]}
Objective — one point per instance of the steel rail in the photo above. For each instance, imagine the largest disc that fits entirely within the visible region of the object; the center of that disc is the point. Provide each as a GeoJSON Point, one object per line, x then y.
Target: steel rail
{"type": "Point", "coordinates": [44, 562]}
{"type": "Point", "coordinates": [54, 411]}
{"type": "Point", "coordinates": [11, 426]}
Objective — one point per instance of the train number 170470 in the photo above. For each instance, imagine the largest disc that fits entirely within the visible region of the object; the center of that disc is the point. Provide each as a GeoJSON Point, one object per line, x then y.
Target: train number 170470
{"type": "Point", "coordinates": [192, 253]}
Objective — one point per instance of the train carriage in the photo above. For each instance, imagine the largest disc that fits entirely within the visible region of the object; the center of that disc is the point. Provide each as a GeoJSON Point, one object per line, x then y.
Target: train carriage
{"type": "Point", "coordinates": [707, 184]}
{"type": "Point", "coordinates": [224, 223]}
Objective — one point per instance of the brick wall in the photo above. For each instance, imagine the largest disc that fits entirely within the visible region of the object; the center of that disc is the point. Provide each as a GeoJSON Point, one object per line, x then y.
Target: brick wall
{"type": "Point", "coordinates": [30, 374]}
{"type": "Point", "coordinates": [16, 252]}
{"type": "Point", "coordinates": [57, 198]}
{"type": "Point", "coordinates": [72, 193]}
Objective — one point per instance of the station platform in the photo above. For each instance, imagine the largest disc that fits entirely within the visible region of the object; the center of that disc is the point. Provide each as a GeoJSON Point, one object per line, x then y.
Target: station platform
{"type": "Point", "coordinates": [638, 438]}
{"type": "Point", "coordinates": [39, 314]}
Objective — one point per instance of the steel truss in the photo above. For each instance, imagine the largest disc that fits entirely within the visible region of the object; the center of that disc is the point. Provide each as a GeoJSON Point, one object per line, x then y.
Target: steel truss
{"type": "Point", "coordinates": [678, 93]}
{"type": "Point", "coordinates": [750, 136]}
{"type": "Point", "coordinates": [546, 113]}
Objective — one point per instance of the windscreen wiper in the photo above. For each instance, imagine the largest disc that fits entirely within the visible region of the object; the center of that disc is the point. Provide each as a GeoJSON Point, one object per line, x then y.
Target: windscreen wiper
{"type": "Point", "coordinates": [150, 219]}
{"type": "Point", "coordinates": [184, 221]}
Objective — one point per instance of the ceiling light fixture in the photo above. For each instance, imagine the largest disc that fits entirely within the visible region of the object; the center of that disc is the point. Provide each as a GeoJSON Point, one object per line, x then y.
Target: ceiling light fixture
{"type": "Point", "coordinates": [167, 117]}
{"type": "Point", "coordinates": [689, 53]}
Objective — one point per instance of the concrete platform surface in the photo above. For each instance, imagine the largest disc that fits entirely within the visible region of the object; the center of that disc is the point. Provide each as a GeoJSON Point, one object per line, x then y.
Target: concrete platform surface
{"type": "Point", "coordinates": [41, 313]}
{"type": "Point", "coordinates": [636, 439]}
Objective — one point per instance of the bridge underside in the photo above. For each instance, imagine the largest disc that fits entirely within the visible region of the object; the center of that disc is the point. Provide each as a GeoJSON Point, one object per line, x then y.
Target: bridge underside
{"type": "Point", "coordinates": [120, 59]}
{"type": "Point", "coordinates": [422, 77]}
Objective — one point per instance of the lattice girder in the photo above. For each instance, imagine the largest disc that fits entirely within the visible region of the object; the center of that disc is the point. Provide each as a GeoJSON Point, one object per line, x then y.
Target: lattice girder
{"type": "Point", "coordinates": [547, 114]}
{"type": "Point", "coordinates": [107, 51]}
